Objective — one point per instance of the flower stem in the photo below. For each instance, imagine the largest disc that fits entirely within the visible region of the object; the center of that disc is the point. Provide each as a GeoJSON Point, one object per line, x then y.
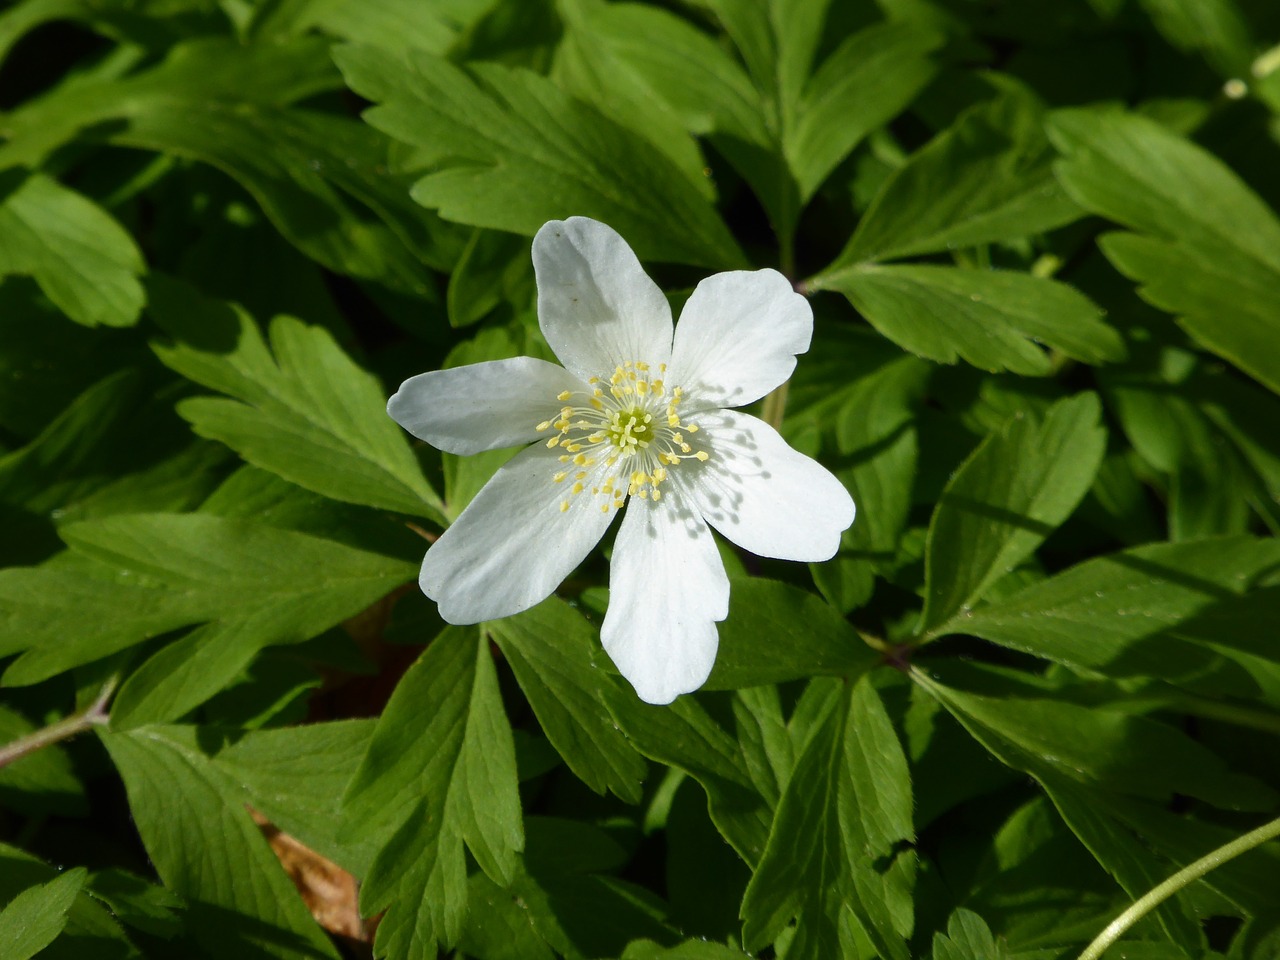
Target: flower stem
{"type": "Point", "coordinates": [93, 715]}
{"type": "Point", "coordinates": [1178, 881]}
{"type": "Point", "coordinates": [775, 406]}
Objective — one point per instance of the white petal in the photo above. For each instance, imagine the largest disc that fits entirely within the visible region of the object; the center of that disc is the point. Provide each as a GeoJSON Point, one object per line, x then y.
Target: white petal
{"type": "Point", "coordinates": [512, 545]}
{"type": "Point", "coordinates": [737, 338]}
{"type": "Point", "coordinates": [482, 406]}
{"type": "Point", "coordinates": [764, 496]}
{"type": "Point", "coordinates": [597, 306]}
{"type": "Point", "coordinates": [667, 589]}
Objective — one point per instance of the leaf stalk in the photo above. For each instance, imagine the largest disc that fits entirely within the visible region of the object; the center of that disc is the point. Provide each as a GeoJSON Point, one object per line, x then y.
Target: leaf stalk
{"type": "Point", "coordinates": [1188, 874]}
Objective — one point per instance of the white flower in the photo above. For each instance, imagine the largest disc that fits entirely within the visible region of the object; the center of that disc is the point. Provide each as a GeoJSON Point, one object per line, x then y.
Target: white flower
{"type": "Point", "coordinates": [635, 418]}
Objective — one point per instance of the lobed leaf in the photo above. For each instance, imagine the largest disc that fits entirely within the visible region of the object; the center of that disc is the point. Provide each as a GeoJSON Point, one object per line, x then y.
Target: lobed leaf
{"type": "Point", "coordinates": [1207, 248]}
{"type": "Point", "coordinates": [1004, 500]}
{"type": "Point", "coordinates": [81, 257]}
{"type": "Point", "coordinates": [557, 154]}
{"type": "Point", "coordinates": [239, 899]}
{"type": "Point", "coordinates": [439, 771]}
{"type": "Point", "coordinates": [302, 408]}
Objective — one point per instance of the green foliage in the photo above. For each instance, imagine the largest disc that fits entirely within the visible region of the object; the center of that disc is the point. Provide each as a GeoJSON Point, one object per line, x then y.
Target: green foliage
{"type": "Point", "coordinates": [1039, 677]}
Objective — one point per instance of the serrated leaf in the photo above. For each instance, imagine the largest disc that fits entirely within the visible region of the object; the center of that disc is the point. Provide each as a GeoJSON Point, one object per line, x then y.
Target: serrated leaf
{"type": "Point", "coordinates": [34, 918]}
{"type": "Point", "coordinates": [440, 771]}
{"type": "Point", "coordinates": [83, 260]}
{"type": "Point", "coordinates": [776, 632]}
{"type": "Point", "coordinates": [659, 74]}
{"type": "Point", "coordinates": [987, 178]}
{"type": "Point", "coordinates": [1005, 499]}
{"type": "Point", "coordinates": [835, 841]}
{"type": "Point", "coordinates": [876, 437]}
{"type": "Point", "coordinates": [552, 651]}
{"type": "Point", "coordinates": [1104, 750]}
{"type": "Point", "coordinates": [394, 25]}
{"type": "Point", "coordinates": [207, 849]}
{"type": "Point", "coordinates": [684, 735]}
{"type": "Point", "coordinates": [297, 777]}
{"type": "Point", "coordinates": [131, 577]}
{"type": "Point", "coordinates": [993, 319]}
{"type": "Point", "coordinates": [556, 152]}
{"type": "Point", "coordinates": [90, 930]}
{"type": "Point", "coordinates": [322, 179]}
{"type": "Point", "coordinates": [865, 82]}
{"type": "Point", "coordinates": [967, 938]}
{"type": "Point", "coordinates": [1207, 247]}
{"type": "Point", "coordinates": [1122, 614]}
{"type": "Point", "coordinates": [302, 408]}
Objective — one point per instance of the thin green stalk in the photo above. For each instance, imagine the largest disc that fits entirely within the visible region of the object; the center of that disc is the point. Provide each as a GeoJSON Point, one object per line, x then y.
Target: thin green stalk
{"type": "Point", "coordinates": [775, 406]}
{"type": "Point", "coordinates": [1178, 881]}
{"type": "Point", "coordinates": [93, 715]}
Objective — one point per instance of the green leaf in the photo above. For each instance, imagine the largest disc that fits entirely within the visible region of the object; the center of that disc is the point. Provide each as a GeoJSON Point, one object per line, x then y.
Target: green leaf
{"type": "Point", "coordinates": [1121, 614]}
{"type": "Point", "coordinates": [813, 119]}
{"type": "Point", "coordinates": [90, 931]}
{"type": "Point", "coordinates": [494, 267]}
{"type": "Point", "coordinates": [689, 950]}
{"type": "Point", "coordinates": [84, 261]}
{"type": "Point", "coordinates": [1208, 483]}
{"type": "Point", "coordinates": [207, 849]}
{"type": "Point", "coordinates": [34, 918]}
{"type": "Point", "coordinates": [1207, 247]}
{"type": "Point", "coordinates": [557, 154]}
{"type": "Point", "coordinates": [302, 408]}
{"type": "Point", "coordinates": [297, 776]}
{"type": "Point", "coordinates": [993, 319]}
{"type": "Point", "coordinates": [1005, 499]}
{"type": "Point", "coordinates": [393, 25]}
{"type": "Point", "coordinates": [440, 770]}
{"type": "Point", "coordinates": [1215, 28]}
{"type": "Point", "coordinates": [876, 437]}
{"type": "Point", "coordinates": [987, 178]}
{"type": "Point", "coordinates": [660, 75]}
{"type": "Point", "coordinates": [131, 577]}
{"type": "Point", "coordinates": [42, 782]}
{"type": "Point", "coordinates": [554, 654]}
{"type": "Point", "coordinates": [967, 938]}
{"type": "Point", "coordinates": [683, 735]}
{"type": "Point", "coordinates": [865, 82]}
{"type": "Point", "coordinates": [776, 632]}
{"type": "Point", "coordinates": [116, 448]}
{"type": "Point", "coordinates": [323, 180]}
{"type": "Point", "coordinates": [835, 850]}
{"type": "Point", "coordinates": [1102, 749]}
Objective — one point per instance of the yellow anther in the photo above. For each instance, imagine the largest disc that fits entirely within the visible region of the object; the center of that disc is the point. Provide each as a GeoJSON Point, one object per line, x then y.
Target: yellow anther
{"type": "Point", "coordinates": [691, 427]}
{"type": "Point", "coordinates": [580, 459]}
{"type": "Point", "coordinates": [703, 456]}
{"type": "Point", "coordinates": [564, 395]}
{"type": "Point", "coordinates": [559, 477]}
{"type": "Point", "coordinates": [576, 488]}
{"type": "Point", "coordinates": [543, 425]}
{"type": "Point", "coordinates": [564, 506]}
{"type": "Point", "coordinates": [554, 441]}
{"type": "Point", "coordinates": [580, 475]}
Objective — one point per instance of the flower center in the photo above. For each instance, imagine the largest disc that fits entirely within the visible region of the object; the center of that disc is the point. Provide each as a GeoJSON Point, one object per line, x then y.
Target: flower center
{"type": "Point", "coordinates": [620, 436]}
